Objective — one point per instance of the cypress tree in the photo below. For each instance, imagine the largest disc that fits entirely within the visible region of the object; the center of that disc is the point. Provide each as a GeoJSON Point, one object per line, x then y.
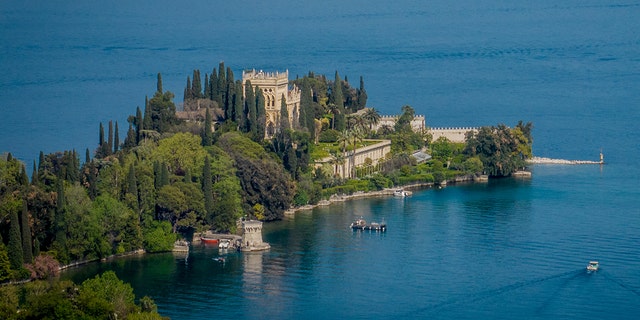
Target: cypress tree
{"type": "Point", "coordinates": [24, 178]}
{"type": "Point", "coordinates": [110, 139]}
{"type": "Point", "coordinates": [139, 125]}
{"type": "Point", "coordinates": [156, 174]}
{"type": "Point", "coordinates": [147, 116]}
{"type": "Point", "coordinates": [9, 157]}
{"type": "Point", "coordinates": [40, 162]}
{"type": "Point", "coordinates": [207, 134]}
{"type": "Point", "coordinates": [238, 104]}
{"type": "Point", "coordinates": [306, 104]}
{"type": "Point", "coordinates": [5, 264]}
{"type": "Point", "coordinates": [261, 115]}
{"type": "Point", "coordinates": [130, 140]}
{"type": "Point", "coordinates": [362, 95]}
{"type": "Point", "coordinates": [87, 156]}
{"type": "Point", "coordinates": [116, 139]}
{"type": "Point", "coordinates": [213, 84]}
{"type": "Point", "coordinates": [207, 186]}
{"type": "Point", "coordinates": [336, 92]}
{"type": "Point", "coordinates": [132, 185]}
{"type": "Point", "coordinates": [187, 91]}
{"type": "Point", "coordinates": [207, 86]}
{"type": "Point", "coordinates": [159, 85]}
{"type": "Point", "coordinates": [229, 101]}
{"type": "Point", "coordinates": [222, 83]}
{"type": "Point", "coordinates": [101, 136]}
{"type": "Point", "coordinates": [164, 175]}
{"type": "Point", "coordinates": [34, 174]}
{"type": "Point", "coordinates": [16, 257]}
{"type": "Point", "coordinates": [27, 252]}
{"type": "Point", "coordinates": [196, 85]}
{"type": "Point", "coordinates": [284, 115]}
{"type": "Point", "coordinates": [250, 108]}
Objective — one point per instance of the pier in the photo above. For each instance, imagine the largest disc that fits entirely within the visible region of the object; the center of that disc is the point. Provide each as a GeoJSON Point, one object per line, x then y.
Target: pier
{"type": "Point", "coordinates": [540, 160]}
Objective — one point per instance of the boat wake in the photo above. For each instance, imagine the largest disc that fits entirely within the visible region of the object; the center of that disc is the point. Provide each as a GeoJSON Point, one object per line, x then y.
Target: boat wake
{"type": "Point", "coordinates": [539, 160]}
{"type": "Point", "coordinates": [621, 284]}
{"type": "Point", "coordinates": [482, 295]}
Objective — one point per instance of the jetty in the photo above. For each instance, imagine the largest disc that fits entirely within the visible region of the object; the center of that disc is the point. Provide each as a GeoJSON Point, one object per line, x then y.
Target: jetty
{"type": "Point", "coordinates": [541, 160]}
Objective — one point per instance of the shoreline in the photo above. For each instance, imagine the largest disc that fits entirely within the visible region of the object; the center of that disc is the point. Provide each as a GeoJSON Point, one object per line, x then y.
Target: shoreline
{"type": "Point", "coordinates": [335, 198]}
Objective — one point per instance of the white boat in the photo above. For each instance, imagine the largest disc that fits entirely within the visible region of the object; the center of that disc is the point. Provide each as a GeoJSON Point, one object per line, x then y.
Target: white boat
{"type": "Point", "coordinates": [400, 193]}
{"type": "Point", "coordinates": [593, 266]}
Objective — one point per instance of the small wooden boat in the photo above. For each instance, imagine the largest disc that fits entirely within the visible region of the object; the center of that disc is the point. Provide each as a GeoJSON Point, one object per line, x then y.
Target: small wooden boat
{"type": "Point", "coordinates": [593, 266]}
{"type": "Point", "coordinates": [209, 240]}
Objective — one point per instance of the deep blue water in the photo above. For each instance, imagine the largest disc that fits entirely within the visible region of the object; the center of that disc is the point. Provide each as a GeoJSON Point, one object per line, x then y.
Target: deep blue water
{"type": "Point", "coordinates": [509, 249]}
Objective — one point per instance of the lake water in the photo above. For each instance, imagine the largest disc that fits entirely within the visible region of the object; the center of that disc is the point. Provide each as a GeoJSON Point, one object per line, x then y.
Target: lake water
{"type": "Point", "coordinates": [506, 249]}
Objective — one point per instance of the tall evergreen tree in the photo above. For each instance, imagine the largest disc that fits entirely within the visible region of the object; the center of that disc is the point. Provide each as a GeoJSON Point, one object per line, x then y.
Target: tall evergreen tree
{"type": "Point", "coordinates": [207, 186]}
{"type": "Point", "coordinates": [250, 108]}
{"type": "Point", "coordinates": [362, 95]}
{"type": "Point", "coordinates": [196, 85]}
{"type": "Point", "coordinates": [336, 92]}
{"type": "Point", "coordinates": [34, 174]}
{"type": "Point", "coordinates": [207, 86]}
{"type": "Point", "coordinates": [110, 139]}
{"type": "Point", "coordinates": [130, 140]}
{"type": "Point", "coordinates": [87, 156]}
{"type": "Point", "coordinates": [238, 104]}
{"type": "Point", "coordinates": [139, 124]}
{"type": "Point", "coordinates": [213, 84]}
{"type": "Point", "coordinates": [16, 256]}
{"type": "Point", "coordinates": [222, 84]}
{"type": "Point", "coordinates": [27, 252]}
{"type": "Point", "coordinates": [132, 185]}
{"type": "Point", "coordinates": [147, 116]}
{"type": "Point", "coordinates": [116, 139]}
{"type": "Point", "coordinates": [284, 115]}
{"type": "Point", "coordinates": [101, 136]}
{"type": "Point", "coordinates": [187, 91]}
{"type": "Point", "coordinates": [159, 85]}
{"type": "Point", "coordinates": [229, 101]}
{"type": "Point", "coordinates": [261, 115]}
{"type": "Point", "coordinates": [207, 133]}
{"type": "Point", "coordinates": [24, 178]}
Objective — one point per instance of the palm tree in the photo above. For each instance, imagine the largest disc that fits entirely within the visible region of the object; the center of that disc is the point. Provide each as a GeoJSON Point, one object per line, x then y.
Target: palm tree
{"type": "Point", "coordinates": [333, 109]}
{"type": "Point", "coordinates": [357, 134]}
{"type": "Point", "coordinates": [372, 117]}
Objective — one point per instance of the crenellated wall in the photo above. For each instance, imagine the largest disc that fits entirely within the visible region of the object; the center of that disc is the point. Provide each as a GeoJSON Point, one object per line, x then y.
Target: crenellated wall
{"type": "Point", "coordinates": [454, 134]}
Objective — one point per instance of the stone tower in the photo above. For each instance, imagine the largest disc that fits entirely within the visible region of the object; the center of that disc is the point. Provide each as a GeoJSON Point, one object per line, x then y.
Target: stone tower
{"type": "Point", "coordinates": [252, 236]}
{"type": "Point", "coordinates": [273, 86]}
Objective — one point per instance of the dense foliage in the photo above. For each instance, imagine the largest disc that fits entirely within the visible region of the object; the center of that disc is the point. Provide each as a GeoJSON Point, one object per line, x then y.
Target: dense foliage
{"type": "Point", "coordinates": [102, 297]}
{"type": "Point", "coordinates": [170, 176]}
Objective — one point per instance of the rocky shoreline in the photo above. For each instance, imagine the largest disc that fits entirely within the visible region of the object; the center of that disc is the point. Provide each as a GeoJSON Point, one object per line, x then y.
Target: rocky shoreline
{"type": "Point", "coordinates": [382, 193]}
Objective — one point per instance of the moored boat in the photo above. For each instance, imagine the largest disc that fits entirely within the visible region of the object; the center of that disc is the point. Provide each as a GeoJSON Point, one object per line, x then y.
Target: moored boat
{"type": "Point", "coordinates": [401, 193]}
{"type": "Point", "coordinates": [209, 240]}
{"type": "Point", "coordinates": [361, 224]}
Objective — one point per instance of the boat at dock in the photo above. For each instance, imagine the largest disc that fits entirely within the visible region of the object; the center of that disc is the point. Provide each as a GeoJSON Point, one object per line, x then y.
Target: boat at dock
{"type": "Point", "coordinates": [209, 240]}
{"type": "Point", "coordinates": [361, 224]}
{"type": "Point", "coordinates": [593, 266]}
{"type": "Point", "coordinates": [401, 193]}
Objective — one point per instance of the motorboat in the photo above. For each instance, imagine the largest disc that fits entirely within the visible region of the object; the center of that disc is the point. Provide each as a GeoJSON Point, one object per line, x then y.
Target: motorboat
{"type": "Point", "coordinates": [400, 193]}
{"type": "Point", "coordinates": [593, 266]}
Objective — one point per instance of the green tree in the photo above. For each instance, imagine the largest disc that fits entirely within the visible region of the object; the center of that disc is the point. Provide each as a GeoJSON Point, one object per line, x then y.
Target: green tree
{"type": "Point", "coordinates": [106, 294]}
{"type": "Point", "coordinates": [372, 117]}
{"type": "Point", "coordinates": [158, 237]}
{"type": "Point", "coordinates": [5, 264]}
{"type": "Point", "coordinates": [27, 246]}
{"type": "Point", "coordinates": [362, 95]}
{"type": "Point", "coordinates": [442, 149]}
{"type": "Point", "coordinates": [16, 257]}
{"type": "Point", "coordinates": [159, 84]}
{"type": "Point", "coordinates": [116, 139]}
{"type": "Point", "coordinates": [207, 186]}
{"type": "Point", "coordinates": [250, 108]}
{"type": "Point", "coordinates": [207, 133]}
{"type": "Point", "coordinates": [181, 152]}
{"type": "Point", "coordinates": [284, 115]}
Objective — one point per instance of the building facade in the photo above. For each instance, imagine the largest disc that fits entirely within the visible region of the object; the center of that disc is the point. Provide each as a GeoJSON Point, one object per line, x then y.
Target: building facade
{"type": "Point", "coordinates": [274, 86]}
